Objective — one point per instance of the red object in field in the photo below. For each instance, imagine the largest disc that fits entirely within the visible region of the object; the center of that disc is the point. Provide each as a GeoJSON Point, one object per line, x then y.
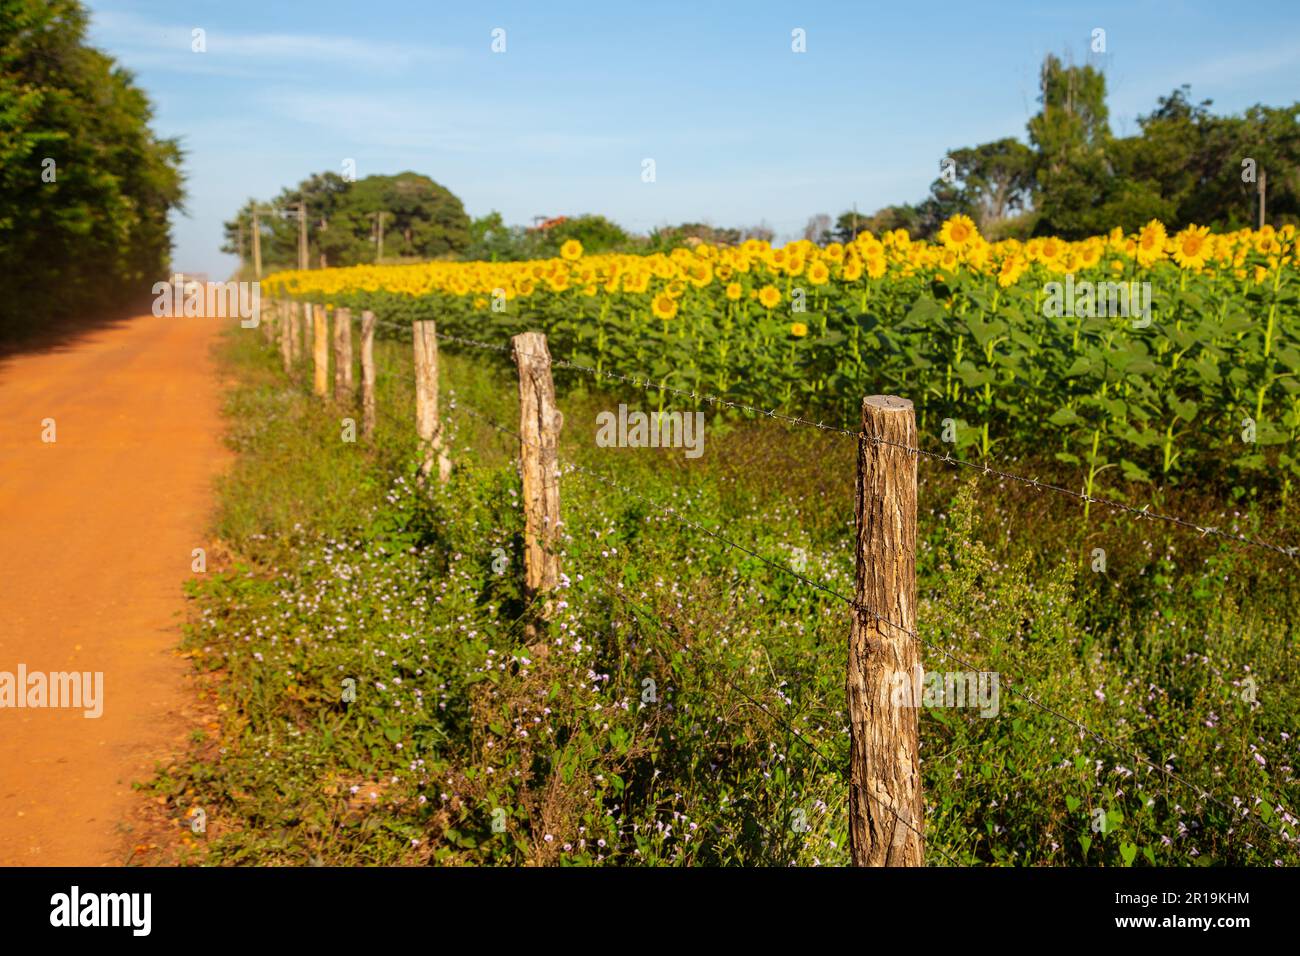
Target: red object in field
{"type": "Point", "coordinates": [549, 223]}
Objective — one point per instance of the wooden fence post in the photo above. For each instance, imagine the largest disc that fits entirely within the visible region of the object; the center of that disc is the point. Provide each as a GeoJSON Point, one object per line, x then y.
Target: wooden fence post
{"type": "Point", "coordinates": [424, 334]}
{"type": "Point", "coordinates": [343, 356]}
{"type": "Point", "coordinates": [295, 334]}
{"type": "Point", "coordinates": [266, 319]}
{"type": "Point", "coordinates": [288, 320]}
{"type": "Point", "coordinates": [539, 430]}
{"type": "Point", "coordinates": [886, 806]}
{"type": "Point", "coordinates": [320, 350]}
{"type": "Point", "coordinates": [367, 374]}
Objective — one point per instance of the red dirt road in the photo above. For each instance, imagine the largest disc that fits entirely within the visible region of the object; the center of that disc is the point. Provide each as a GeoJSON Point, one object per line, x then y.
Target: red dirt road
{"type": "Point", "coordinates": [96, 534]}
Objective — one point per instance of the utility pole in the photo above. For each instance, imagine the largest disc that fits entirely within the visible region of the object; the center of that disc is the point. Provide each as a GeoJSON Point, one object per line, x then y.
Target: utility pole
{"type": "Point", "coordinates": [855, 220]}
{"type": "Point", "coordinates": [324, 224]}
{"type": "Point", "coordinates": [257, 245]}
{"type": "Point", "coordinates": [1263, 178]}
{"type": "Point", "coordinates": [239, 247]}
{"type": "Point", "coordinates": [379, 255]}
{"type": "Point", "coordinates": [302, 236]}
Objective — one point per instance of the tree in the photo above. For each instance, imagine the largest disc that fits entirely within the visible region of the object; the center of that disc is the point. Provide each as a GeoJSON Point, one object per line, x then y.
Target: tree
{"type": "Point", "coordinates": [421, 219]}
{"type": "Point", "coordinates": [596, 233]}
{"type": "Point", "coordinates": [1071, 134]}
{"type": "Point", "coordinates": [690, 233]}
{"type": "Point", "coordinates": [85, 185]}
{"type": "Point", "coordinates": [990, 183]}
{"type": "Point", "coordinates": [818, 228]}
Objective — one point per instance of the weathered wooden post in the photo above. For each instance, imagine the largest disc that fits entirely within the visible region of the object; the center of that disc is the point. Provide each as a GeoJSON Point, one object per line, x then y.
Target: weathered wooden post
{"type": "Point", "coordinates": [425, 336]}
{"type": "Point", "coordinates": [266, 319]}
{"type": "Point", "coordinates": [308, 331]}
{"type": "Point", "coordinates": [288, 320]}
{"type": "Point", "coordinates": [320, 350]}
{"type": "Point", "coordinates": [539, 430]}
{"type": "Point", "coordinates": [295, 334]}
{"type": "Point", "coordinates": [886, 806]}
{"type": "Point", "coordinates": [367, 374]}
{"type": "Point", "coordinates": [343, 356]}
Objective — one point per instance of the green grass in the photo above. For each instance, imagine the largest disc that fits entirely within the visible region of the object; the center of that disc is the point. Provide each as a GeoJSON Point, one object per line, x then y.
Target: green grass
{"type": "Point", "coordinates": [350, 575]}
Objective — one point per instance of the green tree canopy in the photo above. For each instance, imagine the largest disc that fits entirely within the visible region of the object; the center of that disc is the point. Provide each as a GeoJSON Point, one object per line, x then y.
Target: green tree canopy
{"type": "Point", "coordinates": [421, 219]}
{"type": "Point", "coordinates": [85, 185]}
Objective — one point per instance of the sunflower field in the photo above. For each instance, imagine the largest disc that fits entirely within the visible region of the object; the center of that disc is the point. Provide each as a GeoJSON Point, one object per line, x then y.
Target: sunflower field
{"type": "Point", "coordinates": [1189, 374]}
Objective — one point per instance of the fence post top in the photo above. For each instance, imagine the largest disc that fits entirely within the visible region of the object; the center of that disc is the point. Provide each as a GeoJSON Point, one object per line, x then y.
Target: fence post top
{"type": "Point", "coordinates": [887, 403]}
{"type": "Point", "coordinates": [531, 344]}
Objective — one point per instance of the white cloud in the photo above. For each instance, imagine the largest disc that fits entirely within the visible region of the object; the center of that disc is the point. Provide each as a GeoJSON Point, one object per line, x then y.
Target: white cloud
{"type": "Point", "coordinates": [140, 41]}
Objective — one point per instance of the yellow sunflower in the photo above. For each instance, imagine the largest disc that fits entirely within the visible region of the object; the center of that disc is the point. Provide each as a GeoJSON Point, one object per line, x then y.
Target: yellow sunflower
{"type": "Point", "coordinates": [1151, 243]}
{"type": "Point", "coordinates": [664, 306]}
{"type": "Point", "coordinates": [769, 296]}
{"type": "Point", "coordinates": [1191, 247]}
{"type": "Point", "coordinates": [734, 291]}
{"type": "Point", "coordinates": [798, 330]}
{"type": "Point", "coordinates": [958, 232]}
{"type": "Point", "coordinates": [571, 250]}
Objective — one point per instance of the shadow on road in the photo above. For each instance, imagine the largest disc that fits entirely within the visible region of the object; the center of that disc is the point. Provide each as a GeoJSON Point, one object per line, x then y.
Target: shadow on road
{"type": "Point", "coordinates": [54, 335]}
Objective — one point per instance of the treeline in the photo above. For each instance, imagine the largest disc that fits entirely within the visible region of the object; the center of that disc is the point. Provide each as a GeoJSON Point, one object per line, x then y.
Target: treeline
{"type": "Point", "coordinates": [1075, 178]}
{"type": "Point", "coordinates": [349, 221]}
{"type": "Point", "coordinates": [85, 185]}
{"type": "Point", "coordinates": [410, 217]}
{"type": "Point", "coordinates": [1072, 178]}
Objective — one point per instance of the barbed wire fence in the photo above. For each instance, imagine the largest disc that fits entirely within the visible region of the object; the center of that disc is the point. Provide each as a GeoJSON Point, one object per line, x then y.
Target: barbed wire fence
{"type": "Point", "coordinates": [869, 792]}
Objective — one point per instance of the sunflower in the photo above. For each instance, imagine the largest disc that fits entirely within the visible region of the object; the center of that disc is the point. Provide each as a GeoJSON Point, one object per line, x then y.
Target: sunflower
{"type": "Point", "coordinates": [700, 274]}
{"type": "Point", "coordinates": [1151, 243]}
{"type": "Point", "coordinates": [1012, 268]}
{"type": "Point", "coordinates": [798, 330]}
{"type": "Point", "coordinates": [1191, 247]}
{"type": "Point", "coordinates": [769, 296]}
{"type": "Point", "coordinates": [958, 232]}
{"type": "Point", "coordinates": [571, 250]}
{"type": "Point", "coordinates": [1050, 249]}
{"type": "Point", "coordinates": [818, 273]}
{"type": "Point", "coordinates": [734, 291]}
{"type": "Point", "coordinates": [664, 306]}
{"type": "Point", "coordinates": [1090, 253]}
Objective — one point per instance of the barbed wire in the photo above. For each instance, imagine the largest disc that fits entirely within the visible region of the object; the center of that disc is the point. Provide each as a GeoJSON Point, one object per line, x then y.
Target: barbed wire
{"type": "Point", "coordinates": [787, 726]}
{"type": "Point", "coordinates": [672, 512]}
{"type": "Point", "coordinates": [1143, 512]}
{"type": "Point", "coordinates": [879, 619]}
{"type": "Point", "coordinates": [646, 383]}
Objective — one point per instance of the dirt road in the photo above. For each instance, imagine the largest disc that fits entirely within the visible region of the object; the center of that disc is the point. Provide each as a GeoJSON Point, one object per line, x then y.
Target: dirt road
{"type": "Point", "coordinates": [96, 533]}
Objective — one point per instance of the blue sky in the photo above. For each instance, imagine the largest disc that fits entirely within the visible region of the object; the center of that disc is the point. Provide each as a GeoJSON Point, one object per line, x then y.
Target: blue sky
{"type": "Point", "coordinates": [741, 128]}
